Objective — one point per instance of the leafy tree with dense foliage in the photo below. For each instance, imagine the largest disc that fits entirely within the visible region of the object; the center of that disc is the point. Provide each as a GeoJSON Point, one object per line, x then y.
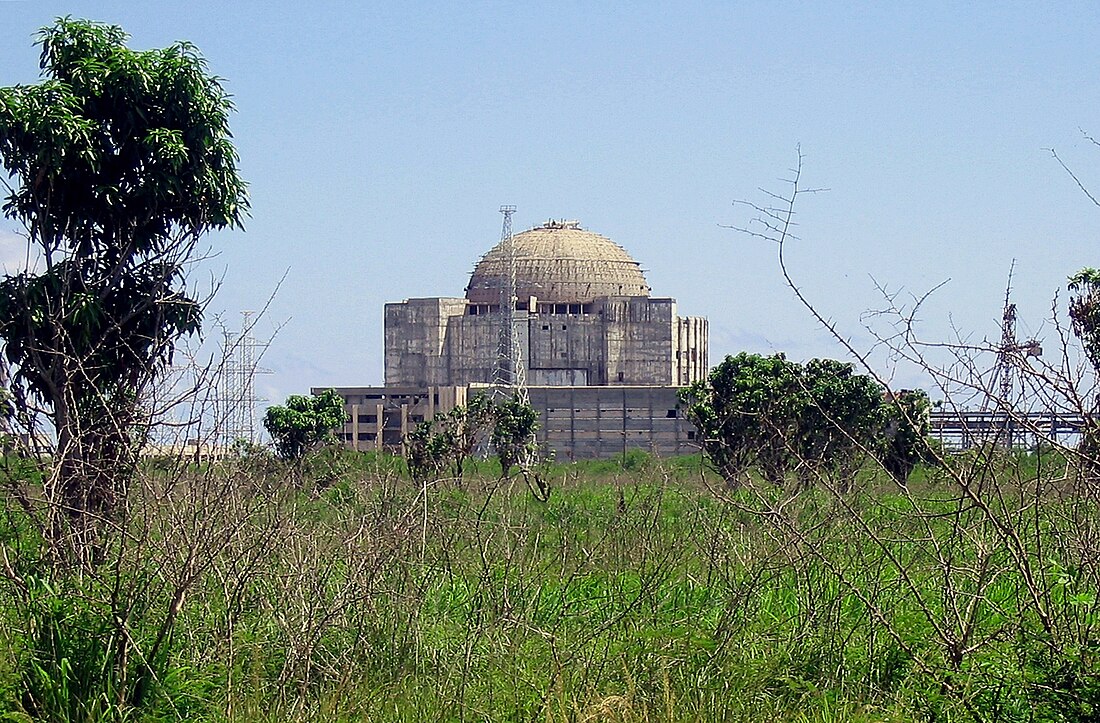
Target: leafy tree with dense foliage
{"type": "Point", "coordinates": [513, 435]}
{"type": "Point", "coordinates": [745, 413]}
{"type": "Point", "coordinates": [840, 415]}
{"type": "Point", "coordinates": [121, 160]}
{"type": "Point", "coordinates": [1084, 311]}
{"type": "Point", "coordinates": [304, 423]}
{"type": "Point", "coordinates": [907, 437]}
{"type": "Point", "coordinates": [781, 417]}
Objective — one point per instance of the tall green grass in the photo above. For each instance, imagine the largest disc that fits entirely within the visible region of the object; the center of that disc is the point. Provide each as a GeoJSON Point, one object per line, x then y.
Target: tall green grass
{"type": "Point", "coordinates": [641, 591]}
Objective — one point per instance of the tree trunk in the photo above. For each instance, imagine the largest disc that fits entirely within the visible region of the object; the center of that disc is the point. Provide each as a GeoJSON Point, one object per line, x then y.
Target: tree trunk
{"type": "Point", "coordinates": [96, 458]}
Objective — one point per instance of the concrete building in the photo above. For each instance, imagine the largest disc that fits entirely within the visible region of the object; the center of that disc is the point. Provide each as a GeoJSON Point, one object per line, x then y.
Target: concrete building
{"type": "Point", "coordinates": [585, 317]}
{"type": "Point", "coordinates": [603, 358]}
{"type": "Point", "coordinates": [574, 422]}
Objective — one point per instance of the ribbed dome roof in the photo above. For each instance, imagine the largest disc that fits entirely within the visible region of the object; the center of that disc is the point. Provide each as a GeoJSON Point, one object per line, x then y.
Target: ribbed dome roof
{"type": "Point", "coordinates": [560, 263]}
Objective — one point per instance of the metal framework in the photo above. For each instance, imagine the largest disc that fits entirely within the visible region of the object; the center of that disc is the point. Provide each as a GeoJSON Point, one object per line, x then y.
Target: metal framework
{"type": "Point", "coordinates": [237, 399]}
{"type": "Point", "coordinates": [1000, 416]}
{"type": "Point", "coordinates": [509, 377]}
{"type": "Point", "coordinates": [961, 429]}
{"type": "Point", "coordinates": [1010, 353]}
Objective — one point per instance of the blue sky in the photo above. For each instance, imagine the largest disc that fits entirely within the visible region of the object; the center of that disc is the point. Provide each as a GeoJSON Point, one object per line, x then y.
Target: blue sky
{"type": "Point", "coordinates": [380, 139]}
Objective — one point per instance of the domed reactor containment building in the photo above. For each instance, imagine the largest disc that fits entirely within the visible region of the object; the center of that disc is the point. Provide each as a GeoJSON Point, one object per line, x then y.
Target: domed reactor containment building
{"type": "Point", "coordinates": [585, 317]}
{"type": "Point", "coordinates": [603, 358]}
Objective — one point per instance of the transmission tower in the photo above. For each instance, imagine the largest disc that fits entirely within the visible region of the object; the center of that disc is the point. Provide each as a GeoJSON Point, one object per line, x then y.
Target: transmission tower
{"type": "Point", "coordinates": [509, 377]}
{"type": "Point", "coordinates": [1010, 357]}
{"type": "Point", "coordinates": [237, 399]}
{"type": "Point", "coordinates": [1011, 352]}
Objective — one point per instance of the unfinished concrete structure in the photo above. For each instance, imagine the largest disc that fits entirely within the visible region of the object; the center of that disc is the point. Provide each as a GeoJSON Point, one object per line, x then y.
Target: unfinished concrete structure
{"type": "Point", "coordinates": [584, 314]}
{"type": "Point", "coordinates": [602, 358]}
{"type": "Point", "coordinates": [574, 422]}
{"type": "Point", "coordinates": [380, 417]}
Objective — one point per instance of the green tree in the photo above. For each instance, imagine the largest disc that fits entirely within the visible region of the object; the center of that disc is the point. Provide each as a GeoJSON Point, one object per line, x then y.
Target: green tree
{"type": "Point", "coordinates": [449, 438]}
{"type": "Point", "coordinates": [467, 424]}
{"type": "Point", "coordinates": [513, 435]}
{"type": "Point", "coordinates": [304, 423]}
{"type": "Point", "coordinates": [840, 416]}
{"type": "Point", "coordinates": [907, 436]}
{"type": "Point", "coordinates": [1084, 311]}
{"type": "Point", "coordinates": [779, 416]}
{"type": "Point", "coordinates": [744, 413]}
{"type": "Point", "coordinates": [121, 160]}
{"type": "Point", "coordinates": [428, 451]}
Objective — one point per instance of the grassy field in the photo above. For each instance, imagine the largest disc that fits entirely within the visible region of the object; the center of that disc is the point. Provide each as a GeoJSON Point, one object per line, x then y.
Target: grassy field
{"type": "Point", "coordinates": [641, 591]}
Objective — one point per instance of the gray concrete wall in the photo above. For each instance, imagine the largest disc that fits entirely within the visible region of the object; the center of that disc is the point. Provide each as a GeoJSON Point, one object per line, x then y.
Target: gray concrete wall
{"type": "Point", "coordinates": [578, 422]}
{"type": "Point", "coordinates": [473, 344]}
{"type": "Point", "coordinates": [605, 422]}
{"type": "Point", "coordinates": [415, 336]}
{"type": "Point", "coordinates": [616, 341]}
{"type": "Point", "coordinates": [566, 348]}
{"type": "Point", "coordinates": [638, 340]}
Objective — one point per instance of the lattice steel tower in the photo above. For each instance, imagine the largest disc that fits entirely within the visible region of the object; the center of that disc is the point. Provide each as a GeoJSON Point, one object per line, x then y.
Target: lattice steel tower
{"type": "Point", "coordinates": [237, 399]}
{"type": "Point", "coordinates": [509, 377]}
{"type": "Point", "coordinates": [1011, 352]}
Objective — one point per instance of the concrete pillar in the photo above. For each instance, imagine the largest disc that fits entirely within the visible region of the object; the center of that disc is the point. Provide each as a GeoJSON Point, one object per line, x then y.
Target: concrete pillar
{"type": "Point", "coordinates": [354, 428]}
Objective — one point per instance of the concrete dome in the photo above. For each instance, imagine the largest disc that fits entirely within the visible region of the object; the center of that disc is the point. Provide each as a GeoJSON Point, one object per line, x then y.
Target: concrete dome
{"type": "Point", "coordinates": [560, 263]}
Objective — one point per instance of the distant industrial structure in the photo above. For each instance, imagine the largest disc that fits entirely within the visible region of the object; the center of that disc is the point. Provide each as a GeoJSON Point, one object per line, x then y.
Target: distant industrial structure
{"type": "Point", "coordinates": [600, 357]}
{"type": "Point", "coordinates": [583, 315]}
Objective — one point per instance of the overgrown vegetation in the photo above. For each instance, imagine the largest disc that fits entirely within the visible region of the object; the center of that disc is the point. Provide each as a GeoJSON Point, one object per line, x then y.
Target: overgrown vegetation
{"type": "Point", "coordinates": [781, 417]}
{"type": "Point", "coordinates": [635, 593]}
{"type": "Point", "coordinates": [329, 585]}
{"type": "Point", "coordinates": [304, 424]}
{"type": "Point", "coordinates": [446, 443]}
{"type": "Point", "coordinates": [121, 160]}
